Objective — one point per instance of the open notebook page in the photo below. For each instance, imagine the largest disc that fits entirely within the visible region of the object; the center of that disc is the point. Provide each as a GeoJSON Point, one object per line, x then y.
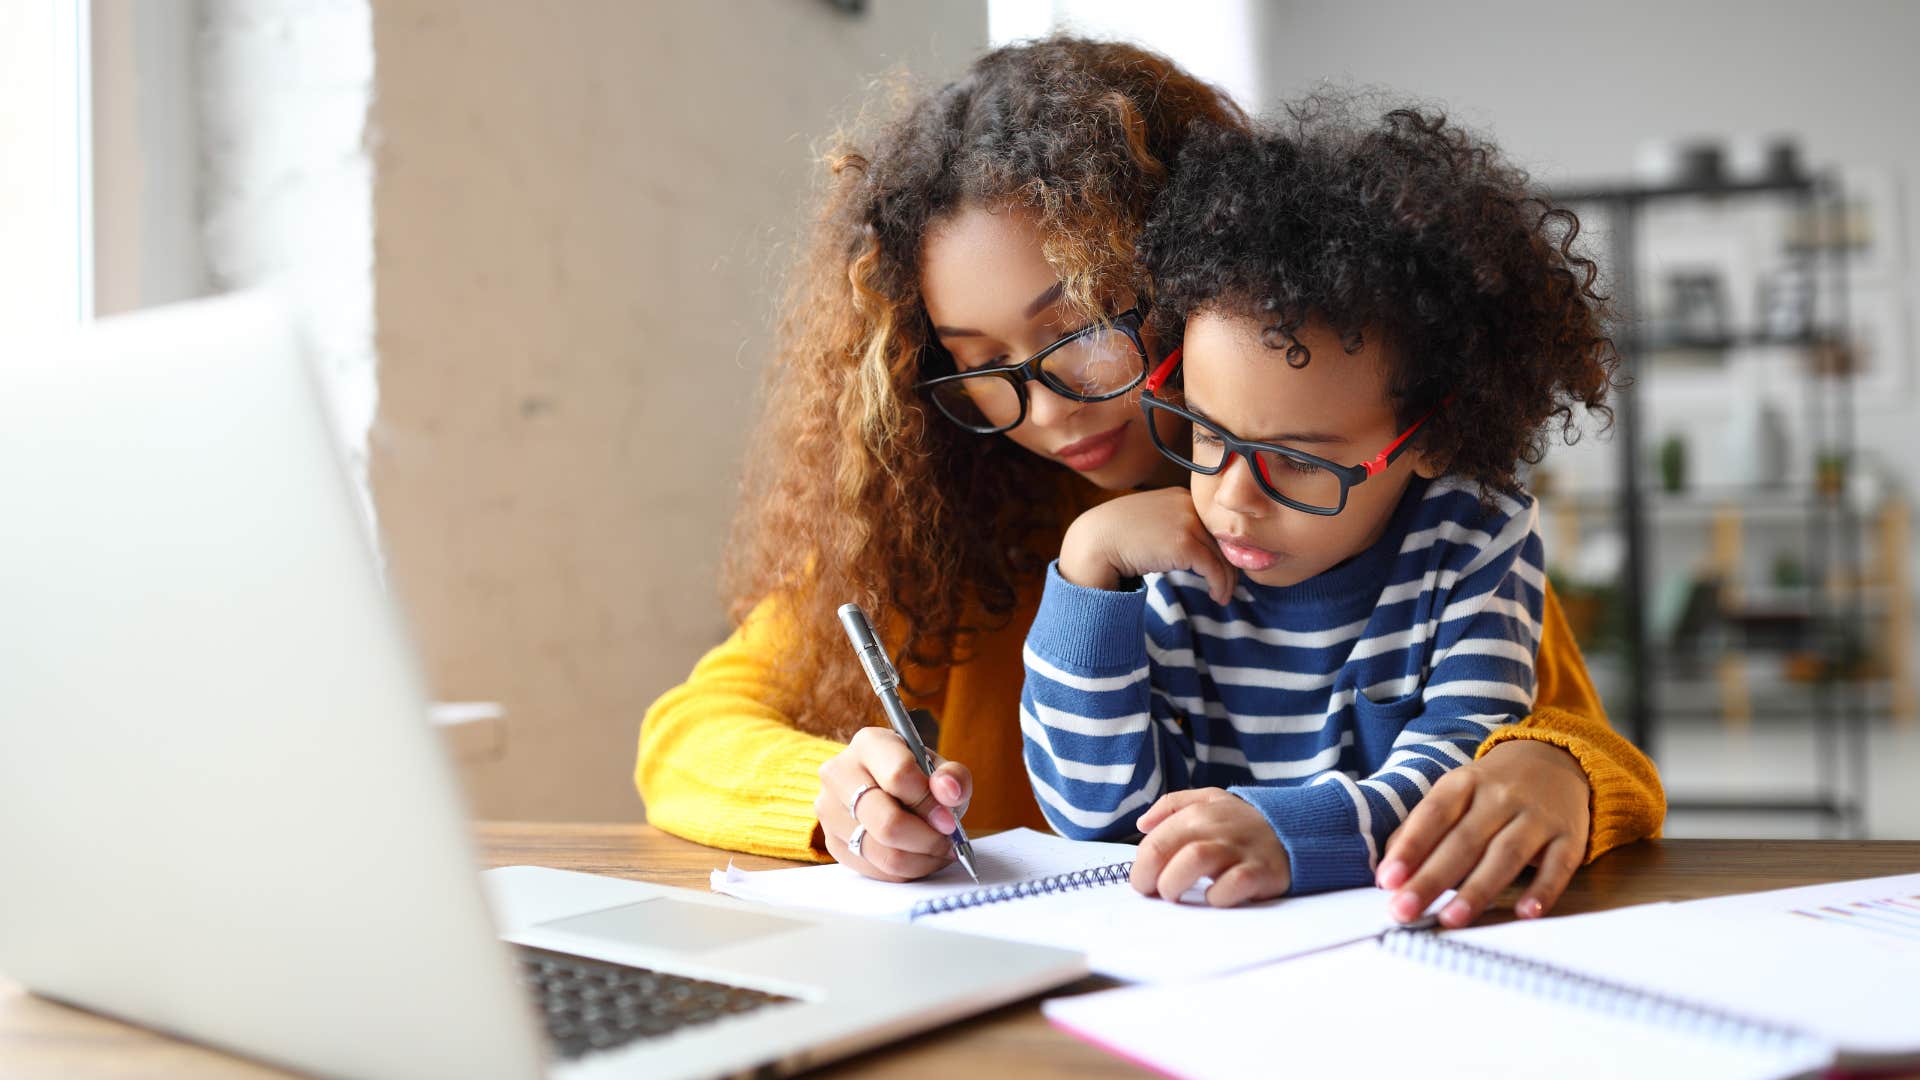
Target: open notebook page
{"type": "Point", "coordinates": [1837, 961]}
{"type": "Point", "coordinates": [1361, 1010]}
{"type": "Point", "coordinates": [1143, 939]}
{"type": "Point", "coordinates": [1125, 935]}
{"type": "Point", "coordinates": [1005, 858]}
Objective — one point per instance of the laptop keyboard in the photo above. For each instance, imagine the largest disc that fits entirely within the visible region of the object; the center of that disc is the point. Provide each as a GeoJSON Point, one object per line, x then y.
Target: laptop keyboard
{"type": "Point", "coordinates": [591, 1005]}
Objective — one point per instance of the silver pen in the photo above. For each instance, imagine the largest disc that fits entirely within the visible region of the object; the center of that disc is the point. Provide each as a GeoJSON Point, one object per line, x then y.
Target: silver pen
{"type": "Point", "coordinates": [886, 682]}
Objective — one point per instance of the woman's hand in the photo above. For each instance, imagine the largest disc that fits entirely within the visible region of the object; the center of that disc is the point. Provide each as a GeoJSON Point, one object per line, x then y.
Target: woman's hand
{"type": "Point", "coordinates": [1524, 803]}
{"type": "Point", "coordinates": [1147, 533]}
{"type": "Point", "coordinates": [909, 816]}
{"type": "Point", "coordinates": [1208, 832]}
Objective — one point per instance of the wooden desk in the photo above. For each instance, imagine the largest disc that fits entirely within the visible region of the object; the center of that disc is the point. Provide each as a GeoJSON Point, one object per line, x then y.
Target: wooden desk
{"type": "Point", "coordinates": [42, 1039]}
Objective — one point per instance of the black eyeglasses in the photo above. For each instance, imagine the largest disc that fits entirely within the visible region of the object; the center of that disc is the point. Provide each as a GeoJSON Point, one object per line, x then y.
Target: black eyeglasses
{"type": "Point", "coordinates": [1306, 482]}
{"type": "Point", "coordinates": [1098, 363]}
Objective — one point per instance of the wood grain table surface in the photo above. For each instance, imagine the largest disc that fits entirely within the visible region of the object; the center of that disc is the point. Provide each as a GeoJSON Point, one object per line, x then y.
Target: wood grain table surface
{"type": "Point", "coordinates": [40, 1038]}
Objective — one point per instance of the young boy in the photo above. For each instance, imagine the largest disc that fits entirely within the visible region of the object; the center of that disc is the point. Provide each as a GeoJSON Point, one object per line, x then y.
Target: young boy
{"type": "Point", "coordinates": [1378, 324]}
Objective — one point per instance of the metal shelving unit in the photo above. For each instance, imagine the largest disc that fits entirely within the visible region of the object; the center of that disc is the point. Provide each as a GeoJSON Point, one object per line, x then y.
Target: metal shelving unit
{"type": "Point", "coordinates": [1833, 611]}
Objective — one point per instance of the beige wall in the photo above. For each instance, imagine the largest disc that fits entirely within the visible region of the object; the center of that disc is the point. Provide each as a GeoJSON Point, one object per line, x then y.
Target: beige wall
{"type": "Point", "coordinates": [581, 211]}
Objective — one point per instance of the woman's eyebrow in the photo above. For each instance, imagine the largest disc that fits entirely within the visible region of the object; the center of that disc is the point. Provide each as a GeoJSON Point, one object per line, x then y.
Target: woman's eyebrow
{"type": "Point", "coordinates": [1040, 303]}
{"type": "Point", "coordinates": [1044, 300]}
{"type": "Point", "coordinates": [1318, 437]}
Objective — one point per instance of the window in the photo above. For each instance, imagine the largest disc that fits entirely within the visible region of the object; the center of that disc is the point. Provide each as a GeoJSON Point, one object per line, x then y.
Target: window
{"type": "Point", "coordinates": [45, 176]}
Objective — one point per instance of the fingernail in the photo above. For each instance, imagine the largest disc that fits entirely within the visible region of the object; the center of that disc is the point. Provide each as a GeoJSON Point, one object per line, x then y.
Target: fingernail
{"type": "Point", "coordinates": [1404, 906]}
{"type": "Point", "coordinates": [941, 819]}
{"type": "Point", "coordinates": [1392, 875]}
{"type": "Point", "coordinates": [1457, 914]}
{"type": "Point", "coordinates": [1530, 908]}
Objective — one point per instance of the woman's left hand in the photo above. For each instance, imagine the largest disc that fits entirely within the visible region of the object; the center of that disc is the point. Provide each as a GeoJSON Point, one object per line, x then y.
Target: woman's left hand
{"type": "Point", "coordinates": [1524, 803]}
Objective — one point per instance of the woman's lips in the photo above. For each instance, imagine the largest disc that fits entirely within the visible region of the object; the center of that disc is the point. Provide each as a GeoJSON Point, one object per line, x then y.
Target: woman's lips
{"type": "Point", "coordinates": [1093, 451]}
{"type": "Point", "coordinates": [1245, 555]}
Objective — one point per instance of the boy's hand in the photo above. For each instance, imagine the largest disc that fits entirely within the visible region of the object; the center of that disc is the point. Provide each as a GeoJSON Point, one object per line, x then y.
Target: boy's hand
{"type": "Point", "coordinates": [1524, 803]}
{"type": "Point", "coordinates": [1147, 533]}
{"type": "Point", "coordinates": [1208, 832]}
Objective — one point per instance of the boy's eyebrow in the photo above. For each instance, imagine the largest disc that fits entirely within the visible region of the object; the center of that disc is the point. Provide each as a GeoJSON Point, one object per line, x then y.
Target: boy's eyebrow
{"type": "Point", "coordinates": [1036, 306]}
{"type": "Point", "coordinates": [1318, 437]}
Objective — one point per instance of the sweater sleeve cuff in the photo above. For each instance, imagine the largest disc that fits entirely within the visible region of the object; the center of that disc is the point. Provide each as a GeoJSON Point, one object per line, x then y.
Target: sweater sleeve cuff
{"type": "Point", "coordinates": [775, 819]}
{"type": "Point", "coordinates": [1319, 828]}
{"type": "Point", "coordinates": [1090, 631]}
{"type": "Point", "coordinates": [1626, 801]}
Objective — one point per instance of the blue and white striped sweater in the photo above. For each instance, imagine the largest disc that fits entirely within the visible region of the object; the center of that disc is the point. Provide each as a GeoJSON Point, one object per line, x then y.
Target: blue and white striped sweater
{"type": "Point", "coordinates": [1331, 705]}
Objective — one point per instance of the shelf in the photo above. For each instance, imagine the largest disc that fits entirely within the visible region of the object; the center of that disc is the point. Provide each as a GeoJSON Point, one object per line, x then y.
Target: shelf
{"type": "Point", "coordinates": [1798, 708]}
{"type": "Point", "coordinates": [1773, 602]}
{"type": "Point", "coordinates": [1642, 193]}
{"type": "Point", "coordinates": [1724, 342]}
{"type": "Point", "coordinates": [1637, 689]}
{"type": "Point", "coordinates": [1785, 804]}
{"type": "Point", "coordinates": [1692, 691]}
{"type": "Point", "coordinates": [1787, 503]}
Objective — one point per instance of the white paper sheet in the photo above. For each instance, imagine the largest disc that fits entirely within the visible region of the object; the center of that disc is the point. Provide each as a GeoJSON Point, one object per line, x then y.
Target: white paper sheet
{"type": "Point", "coordinates": [1141, 939]}
{"type": "Point", "coordinates": [1850, 979]}
{"type": "Point", "coordinates": [1360, 1011]}
{"type": "Point", "coordinates": [1125, 935]}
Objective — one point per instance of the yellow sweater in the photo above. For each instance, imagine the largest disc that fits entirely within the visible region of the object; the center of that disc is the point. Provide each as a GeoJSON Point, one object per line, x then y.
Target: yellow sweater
{"type": "Point", "coordinates": [720, 763]}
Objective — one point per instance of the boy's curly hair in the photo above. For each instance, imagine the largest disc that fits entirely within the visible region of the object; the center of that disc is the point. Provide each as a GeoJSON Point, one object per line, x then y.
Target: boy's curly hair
{"type": "Point", "coordinates": [1411, 229]}
{"type": "Point", "coordinates": [856, 489]}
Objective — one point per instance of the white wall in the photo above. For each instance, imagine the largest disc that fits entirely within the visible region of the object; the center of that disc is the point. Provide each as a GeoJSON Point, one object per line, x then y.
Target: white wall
{"type": "Point", "coordinates": [230, 151]}
{"type": "Point", "coordinates": [285, 182]}
{"type": "Point", "coordinates": [1214, 39]}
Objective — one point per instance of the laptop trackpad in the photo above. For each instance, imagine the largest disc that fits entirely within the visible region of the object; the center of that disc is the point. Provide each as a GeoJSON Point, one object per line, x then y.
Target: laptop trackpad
{"type": "Point", "coordinates": [675, 925]}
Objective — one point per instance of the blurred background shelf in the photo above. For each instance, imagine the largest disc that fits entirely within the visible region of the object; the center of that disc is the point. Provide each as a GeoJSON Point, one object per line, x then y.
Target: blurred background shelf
{"type": "Point", "coordinates": [1776, 601]}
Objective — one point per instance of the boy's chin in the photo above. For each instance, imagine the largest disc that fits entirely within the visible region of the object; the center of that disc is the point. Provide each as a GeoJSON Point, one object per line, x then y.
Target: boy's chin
{"type": "Point", "coordinates": [1295, 569]}
{"type": "Point", "coordinates": [1279, 576]}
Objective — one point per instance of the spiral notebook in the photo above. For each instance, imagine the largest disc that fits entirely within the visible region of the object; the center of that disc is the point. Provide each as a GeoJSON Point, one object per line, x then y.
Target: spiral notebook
{"type": "Point", "coordinates": [1764, 985]}
{"type": "Point", "coordinates": [1071, 894]}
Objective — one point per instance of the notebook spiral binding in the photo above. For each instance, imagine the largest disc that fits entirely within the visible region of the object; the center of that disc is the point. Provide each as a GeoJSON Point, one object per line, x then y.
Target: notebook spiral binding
{"type": "Point", "coordinates": [1078, 879]}
{"type": "Point", "coordinates": [1566, 986]}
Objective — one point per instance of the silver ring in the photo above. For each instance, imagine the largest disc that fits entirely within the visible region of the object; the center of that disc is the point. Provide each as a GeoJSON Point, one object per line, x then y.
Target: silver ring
{"type": "Point", "coordinates": [853, 804]}
{"type": "Point", "coordinates": [859, 837]}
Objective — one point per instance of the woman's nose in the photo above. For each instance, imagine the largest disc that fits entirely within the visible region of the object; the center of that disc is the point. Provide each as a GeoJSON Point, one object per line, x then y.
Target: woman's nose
{"type": "Point", "coordinates": [1046, 408]}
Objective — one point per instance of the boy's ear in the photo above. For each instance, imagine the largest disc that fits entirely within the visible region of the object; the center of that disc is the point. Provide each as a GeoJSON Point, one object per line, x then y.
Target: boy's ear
{"type": "Point", "coordinates": [1427, 465]}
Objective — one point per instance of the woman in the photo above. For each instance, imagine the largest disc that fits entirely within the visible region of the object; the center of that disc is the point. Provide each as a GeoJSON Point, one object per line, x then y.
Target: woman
{"type": "Point", "coordinates": [992, 224]}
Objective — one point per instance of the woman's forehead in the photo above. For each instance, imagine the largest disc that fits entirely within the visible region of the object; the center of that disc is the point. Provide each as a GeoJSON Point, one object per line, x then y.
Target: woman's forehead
{"type": "Point", "coordinates": [984, 257]}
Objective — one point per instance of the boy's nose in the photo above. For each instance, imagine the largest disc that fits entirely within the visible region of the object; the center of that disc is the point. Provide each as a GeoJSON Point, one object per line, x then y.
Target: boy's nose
{"type": "Point", "coordinates": [1235, 489]}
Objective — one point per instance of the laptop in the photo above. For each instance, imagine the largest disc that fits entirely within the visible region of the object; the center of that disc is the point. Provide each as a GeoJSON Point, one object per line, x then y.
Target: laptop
{"type": "Point", "coordinates": [223, 814]}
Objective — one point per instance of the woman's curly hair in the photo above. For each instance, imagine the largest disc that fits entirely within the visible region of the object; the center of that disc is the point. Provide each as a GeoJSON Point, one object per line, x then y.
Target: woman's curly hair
{"type": "Point", "coordinates": [856, 490]}
{"type": "Point", "coordinates": [1410, 229]}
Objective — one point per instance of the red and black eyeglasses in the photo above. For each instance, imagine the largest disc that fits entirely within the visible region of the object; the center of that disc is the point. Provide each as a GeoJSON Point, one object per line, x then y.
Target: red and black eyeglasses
{"type": "Point", "coordinates": [1306, 482]}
